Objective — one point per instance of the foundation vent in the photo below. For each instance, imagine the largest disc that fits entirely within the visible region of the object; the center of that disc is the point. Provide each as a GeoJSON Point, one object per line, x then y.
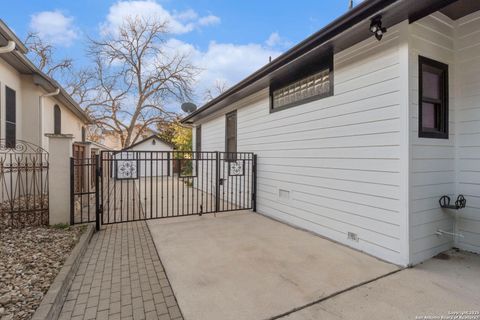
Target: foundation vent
{"type": "Point", "coordinates": [352, 236]}
{"type": "Point", "coordinates": [283, 194]}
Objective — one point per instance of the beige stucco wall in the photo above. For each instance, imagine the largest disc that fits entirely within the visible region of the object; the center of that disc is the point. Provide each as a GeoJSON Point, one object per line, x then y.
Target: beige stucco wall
{"type": "Point", "coordinates": [30, 126]}
{"type": "Point", "coordinates": [30, 116]}
{"type": "Point", "coordinates": [70, 123]}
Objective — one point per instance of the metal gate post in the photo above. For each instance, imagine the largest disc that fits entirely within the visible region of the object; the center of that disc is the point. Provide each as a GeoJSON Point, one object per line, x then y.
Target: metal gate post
{"type": "Point", "coordinates": [217, 179]}
{"type": "Point", "coordinates": [72, 191]}
{"type": "Point", "coordinates": [97, 192]}
{"type": "Point", "coordinates": [254, 183]}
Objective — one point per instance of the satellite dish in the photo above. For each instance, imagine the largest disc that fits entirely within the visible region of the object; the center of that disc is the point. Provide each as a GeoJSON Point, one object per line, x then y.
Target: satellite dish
{"type": "Point", "coordinates": [188, 107]}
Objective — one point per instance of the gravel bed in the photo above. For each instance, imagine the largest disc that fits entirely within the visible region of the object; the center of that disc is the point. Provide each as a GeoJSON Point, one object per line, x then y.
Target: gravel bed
{"type": "Point", "coordinates": [30, 258]}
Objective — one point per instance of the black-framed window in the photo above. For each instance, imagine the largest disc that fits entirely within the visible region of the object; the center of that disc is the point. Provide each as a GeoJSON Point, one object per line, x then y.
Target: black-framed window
{"type": "Point", "coordinates": [308, 83]}
{"type": "Point", "coordinates": [57, 120]}
{"type": "Point", "coordinates": [231, 132]}
{"type": "Point", "coordinates": [433, 99]}
{"type": "Point", "coordinates": [198, 138]}
{"type": "Point", "coordinates": [10, 117]}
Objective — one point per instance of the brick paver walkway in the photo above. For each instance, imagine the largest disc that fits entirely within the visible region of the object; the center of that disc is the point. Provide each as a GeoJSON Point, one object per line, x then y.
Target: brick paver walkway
{"type": "Point", "coordinates": [121, 277]}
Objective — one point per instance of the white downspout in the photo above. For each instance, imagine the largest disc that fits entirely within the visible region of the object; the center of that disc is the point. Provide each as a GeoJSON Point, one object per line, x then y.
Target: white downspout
{"type": "Point", "coordinates": [40, 114]}
{"type": "Point", "coordinates": [8, 48]}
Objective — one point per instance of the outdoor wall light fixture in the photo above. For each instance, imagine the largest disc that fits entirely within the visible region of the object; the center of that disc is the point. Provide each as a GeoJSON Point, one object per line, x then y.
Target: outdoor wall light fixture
{"type": "Point", "coordinates": [376, 27]}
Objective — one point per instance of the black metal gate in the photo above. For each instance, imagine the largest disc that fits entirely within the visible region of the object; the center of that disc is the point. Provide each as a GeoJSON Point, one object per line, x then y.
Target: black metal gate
{"type": "Point", "coordinates": [140, 185]}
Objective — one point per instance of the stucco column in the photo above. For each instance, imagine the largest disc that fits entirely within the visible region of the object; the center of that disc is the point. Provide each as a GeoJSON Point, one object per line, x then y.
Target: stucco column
{"type": "Point", "coordinates": [60, 151]}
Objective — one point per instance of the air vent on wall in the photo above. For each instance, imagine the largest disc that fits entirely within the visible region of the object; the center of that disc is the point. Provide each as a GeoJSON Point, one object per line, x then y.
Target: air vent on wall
{"type": "Point", "coordinates": [283, 194]}
{"type": "Point", "coordinates": [352, 236]}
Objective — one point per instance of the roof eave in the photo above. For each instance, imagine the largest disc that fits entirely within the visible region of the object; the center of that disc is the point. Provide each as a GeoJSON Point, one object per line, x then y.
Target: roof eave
{"type": "Point", "coordinates": [9, 35]}
{"type": "Point", "coordinates": [362, 11]}
{"type": "Point", "coordinates": [49, 85]}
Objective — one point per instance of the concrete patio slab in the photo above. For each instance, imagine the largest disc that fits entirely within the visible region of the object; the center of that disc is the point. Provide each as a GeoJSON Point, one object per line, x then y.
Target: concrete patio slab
{"type": "Point", "coordinates": [246, 266]}
{"type": "Point", "coordinates": [429, 291]}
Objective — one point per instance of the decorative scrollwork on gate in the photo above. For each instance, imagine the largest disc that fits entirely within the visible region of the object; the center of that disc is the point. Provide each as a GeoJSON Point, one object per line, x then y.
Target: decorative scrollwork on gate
{"type": "Point", "coordinates": [127, 169]}
{"type": "Point", "coordinates": [236, 168]}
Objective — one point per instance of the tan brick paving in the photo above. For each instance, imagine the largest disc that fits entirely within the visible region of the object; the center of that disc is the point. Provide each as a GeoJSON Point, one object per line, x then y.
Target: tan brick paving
{"type": "Point", "coordinates": [121, 277]}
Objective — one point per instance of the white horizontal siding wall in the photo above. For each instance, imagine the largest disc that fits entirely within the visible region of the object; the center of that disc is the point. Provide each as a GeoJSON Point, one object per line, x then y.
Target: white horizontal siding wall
{"type": "Point", "coordinates": [213, 134]}
{"type": "Point", "coordinates": [468, 124]}
{"type": "Point", "coordinates": [334, 165]}
{"type": "Point", "coordinates": [433, 160]}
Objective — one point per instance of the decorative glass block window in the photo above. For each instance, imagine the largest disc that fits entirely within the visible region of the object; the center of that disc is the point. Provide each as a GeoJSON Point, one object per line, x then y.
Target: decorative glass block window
{"type": "Point", "coordinates": [433, 99]}
{"type": "Point", "coordinates": [308, 83]}
{"type": "Point", "coordinates": [312, 86]}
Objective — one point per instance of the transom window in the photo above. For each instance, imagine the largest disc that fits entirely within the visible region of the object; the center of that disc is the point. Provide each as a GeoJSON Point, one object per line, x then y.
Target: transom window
{"type": "Point", "coordinates": [307, 84]}
{"type": "Point", "coordinates": [433, 99]}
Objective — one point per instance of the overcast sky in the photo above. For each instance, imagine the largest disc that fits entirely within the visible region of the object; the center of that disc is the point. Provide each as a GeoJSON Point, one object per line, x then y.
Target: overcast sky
{"type": "Point", "coordinates": [227, 39]}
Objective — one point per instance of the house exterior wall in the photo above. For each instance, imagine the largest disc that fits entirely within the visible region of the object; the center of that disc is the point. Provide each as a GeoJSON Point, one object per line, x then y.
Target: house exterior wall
{"type": "Point", "coordinates": [334, 166]}
{"type": "Point", "coordinates": [30, 118]}
{"type": "Point", "coordinates": [446, 167]}
{"type": "Point", "coordinates": [354, 162]}
{"type": "Point", "coordinates": [71, 124]}
{"type": "Point", "coordinates": [467, 75]}
{"type": "Point", "coordinates": [28, 112]}
{"type": "Point", "coordinates": [432, 160]}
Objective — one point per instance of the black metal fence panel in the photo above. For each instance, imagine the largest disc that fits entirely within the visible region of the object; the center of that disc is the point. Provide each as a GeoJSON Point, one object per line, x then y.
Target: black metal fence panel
{"type": "Point", "coordinates": [23, 185]}
{"type": "Point", "coordinates": [139, 185]}
{"type": "Point", "coordinates": [82, 190]}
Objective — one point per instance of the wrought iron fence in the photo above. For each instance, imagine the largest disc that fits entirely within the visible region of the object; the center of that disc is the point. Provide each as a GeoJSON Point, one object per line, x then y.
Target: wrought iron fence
{"type": "Point", "coordinates": [23, 185]}
{"type": "Point", "coordinates": [82, 190]}
{"type": "Point", "coordinates": [140, 185]}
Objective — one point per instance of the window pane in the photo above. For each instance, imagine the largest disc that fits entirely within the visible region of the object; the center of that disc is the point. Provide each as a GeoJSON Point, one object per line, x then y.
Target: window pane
{"type": "Point", "coordinates": [231, 145]}
{"type": "Point", "coordinates": [198, 137]}
{"type": "Point", "coordinates": [231, 132]}
{"type": "Point", "coordinates": [10, 135]}
{"type": "Point", "coordinates": [57, 118]}
{"type": "Point", "coordinates": [10, 108]}
{"type": "Point", "coordinates": [311, 86]}
{"type": "Point", "coordinates": [429, 116]}
{"type": "Point", "coordinates": [431, 83]}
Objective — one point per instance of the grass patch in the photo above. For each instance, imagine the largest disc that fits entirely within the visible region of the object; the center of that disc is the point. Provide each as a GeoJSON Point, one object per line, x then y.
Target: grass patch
{"type": "Point", "coordinates": [61, 226]}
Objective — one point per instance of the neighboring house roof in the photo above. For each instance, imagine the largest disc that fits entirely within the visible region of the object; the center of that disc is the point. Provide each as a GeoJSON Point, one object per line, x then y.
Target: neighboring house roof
{"type": "Point", "coordinates": [22, 64]}
{"type": "Point", "coordinates": [333, 38]}
{"type": "Point", "coordinates": [100, 145]}
{"type": "Point", "coordinates": [153, 136]}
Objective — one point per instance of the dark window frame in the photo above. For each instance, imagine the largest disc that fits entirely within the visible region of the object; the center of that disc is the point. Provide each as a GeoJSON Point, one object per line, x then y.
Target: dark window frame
{"type": "Point", "coordinates": [57, 119]}
{"type": "Point", "coordinates": [235, 135]}
{"type": "Point", "coordinates": [306, 71]}
{"type": "Point", "coordinates": [443, 116]}
{"type": "Point", "coordinates": [198, 138]}
{"type": "Point", "coordinates": [10, 117]}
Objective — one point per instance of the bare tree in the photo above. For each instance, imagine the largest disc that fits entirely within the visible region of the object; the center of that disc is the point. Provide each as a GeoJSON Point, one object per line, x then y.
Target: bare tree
{"type": "Point", "coordinates": [218, 88]}
{"type": "Point", "coordinates": [41, 53]}
{"type": "Point", "coordinates": [135, 76]}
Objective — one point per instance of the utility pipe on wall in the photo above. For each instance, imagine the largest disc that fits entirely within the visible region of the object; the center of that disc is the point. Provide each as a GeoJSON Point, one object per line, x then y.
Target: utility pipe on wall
{"type": "Point", "coordinates": [40, 114]}
{"type": "Point", "coordinates": [8, 48]}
